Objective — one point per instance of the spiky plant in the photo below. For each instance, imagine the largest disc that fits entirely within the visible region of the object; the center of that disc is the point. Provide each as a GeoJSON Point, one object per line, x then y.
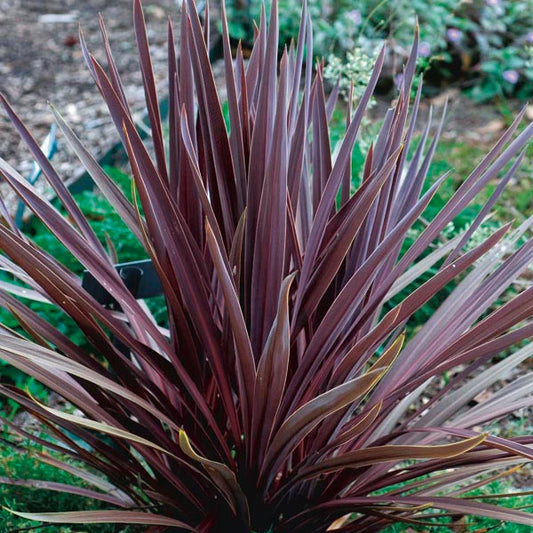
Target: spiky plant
{"type": "Point", "coordinates": [281, 396]}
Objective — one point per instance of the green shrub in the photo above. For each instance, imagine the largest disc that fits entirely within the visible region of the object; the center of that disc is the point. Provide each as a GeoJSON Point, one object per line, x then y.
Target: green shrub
{"type": "Point", "coordinates": [485, 44]}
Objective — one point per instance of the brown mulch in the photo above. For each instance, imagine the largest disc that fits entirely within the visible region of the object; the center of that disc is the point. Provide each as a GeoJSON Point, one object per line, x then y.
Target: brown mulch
{"type": "Point", "coordinates": [41, 61]}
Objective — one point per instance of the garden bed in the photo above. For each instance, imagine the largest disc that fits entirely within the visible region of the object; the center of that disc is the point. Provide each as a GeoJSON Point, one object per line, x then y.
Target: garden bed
{"type": "Point", "coordinates": [465, 129]}
{"type": "Point", "coordinates": [41, 62]}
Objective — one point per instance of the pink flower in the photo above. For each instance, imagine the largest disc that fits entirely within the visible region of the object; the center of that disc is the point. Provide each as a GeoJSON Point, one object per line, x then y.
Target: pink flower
{"type": "Point", "coordinates": [529, 37]}
{"type": "Point", "coordinates": [424, 50]}
{"type": "Point", "coordinates": [354, 16]}
{"type": "Point", "coordinates": [510, 76]}
{"type": "Point", "coordinates": [454, 35]}
{"type": "Point", "coordinates": [398, 80]}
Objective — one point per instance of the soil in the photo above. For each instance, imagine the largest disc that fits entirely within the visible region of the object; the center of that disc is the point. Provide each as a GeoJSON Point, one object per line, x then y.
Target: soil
{"type": "Point", "coordinates": [474, 124]}
{"type": "Point", "coordinates": [41, 61]}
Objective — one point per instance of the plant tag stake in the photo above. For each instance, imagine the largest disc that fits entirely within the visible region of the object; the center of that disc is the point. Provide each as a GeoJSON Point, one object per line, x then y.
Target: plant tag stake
{"type": "Point", "coordinates": [139, 277]}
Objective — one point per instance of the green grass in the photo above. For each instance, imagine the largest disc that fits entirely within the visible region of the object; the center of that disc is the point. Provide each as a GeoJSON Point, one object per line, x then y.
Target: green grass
{"type": "Point", "coordinates": [23, 499]}
{"type": "Point", "coordinates": [478, 523]}
{"type": "Point", "coordinates": [34, 500]}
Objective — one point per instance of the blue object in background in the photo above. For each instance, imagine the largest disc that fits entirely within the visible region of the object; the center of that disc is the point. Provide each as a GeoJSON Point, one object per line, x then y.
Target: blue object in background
{"type": "Point", "coordinates": [49, 148]}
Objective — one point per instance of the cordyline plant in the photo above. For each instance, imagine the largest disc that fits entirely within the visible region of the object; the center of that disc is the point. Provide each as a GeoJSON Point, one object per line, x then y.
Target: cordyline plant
{"type": "Point", "coordinates": [281, 396]}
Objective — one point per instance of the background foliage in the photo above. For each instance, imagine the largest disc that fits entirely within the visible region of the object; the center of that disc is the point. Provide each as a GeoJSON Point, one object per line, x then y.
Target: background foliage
{"type": "Point", "coordinates": [484, 46]}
